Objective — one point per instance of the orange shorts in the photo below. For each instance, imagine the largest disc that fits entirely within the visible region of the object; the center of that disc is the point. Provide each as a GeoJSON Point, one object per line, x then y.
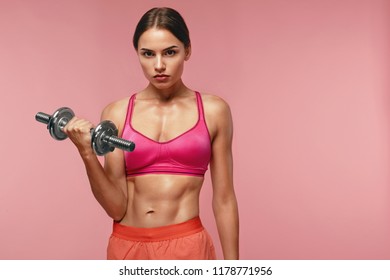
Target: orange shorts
{"type": "Point", "coordinates": [184, 241]}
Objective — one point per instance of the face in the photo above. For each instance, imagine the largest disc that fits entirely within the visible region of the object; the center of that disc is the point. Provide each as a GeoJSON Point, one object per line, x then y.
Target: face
{"type": "Point", "coordinates": [162, 57]}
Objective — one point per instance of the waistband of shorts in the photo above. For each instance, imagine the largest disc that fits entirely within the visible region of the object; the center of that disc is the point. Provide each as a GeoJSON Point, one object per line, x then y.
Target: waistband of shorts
{"type": "Point", "coordinates": [158, 233]}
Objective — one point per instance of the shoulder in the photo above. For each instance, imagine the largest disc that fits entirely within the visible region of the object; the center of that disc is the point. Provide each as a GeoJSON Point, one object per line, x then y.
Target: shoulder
{"type": "Point", "coordinates": [214, 104]}
{"type": "Point", "coordinates": [217, 114]}
{"type": "Point", "coordinates": [116, 111]}
{"type": "Point", "coordinates": [216, 108]}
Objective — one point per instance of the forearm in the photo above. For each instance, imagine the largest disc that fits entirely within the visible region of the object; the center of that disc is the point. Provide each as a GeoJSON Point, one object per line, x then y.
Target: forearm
{"type": "Point", "coordinates": [226, 216]}
{"type": "Point", "coordinates": [109, 195]}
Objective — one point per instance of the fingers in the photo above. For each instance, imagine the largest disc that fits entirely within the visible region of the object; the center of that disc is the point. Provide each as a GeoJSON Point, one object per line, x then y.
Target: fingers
{"type": "Point", "coordinates": [78, 126]}
{"type": "Point", "coordinates": [79, 132]}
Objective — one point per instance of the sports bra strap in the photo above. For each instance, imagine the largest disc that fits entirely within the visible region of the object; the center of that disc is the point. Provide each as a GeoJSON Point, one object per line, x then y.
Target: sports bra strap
{"type": "Point", "coordinates": [130, 110]}
{"type": "Point", "coordinates": [200, 105]}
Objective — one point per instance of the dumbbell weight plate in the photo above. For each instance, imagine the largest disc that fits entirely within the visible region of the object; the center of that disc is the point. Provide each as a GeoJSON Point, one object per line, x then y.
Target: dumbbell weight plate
{"type": "Point", "coordinates": [103, 131]}
{"type": "Point", "coordinates": [57, 122]}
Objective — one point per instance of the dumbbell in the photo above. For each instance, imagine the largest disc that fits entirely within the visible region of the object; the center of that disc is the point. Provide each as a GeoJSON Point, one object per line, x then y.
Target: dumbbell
{"type": "Point", "coordinates": [104, 137]}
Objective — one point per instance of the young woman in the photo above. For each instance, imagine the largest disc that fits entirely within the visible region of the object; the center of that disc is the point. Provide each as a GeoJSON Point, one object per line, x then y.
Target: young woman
{"type": "Point", "coordinates": [152, 193]}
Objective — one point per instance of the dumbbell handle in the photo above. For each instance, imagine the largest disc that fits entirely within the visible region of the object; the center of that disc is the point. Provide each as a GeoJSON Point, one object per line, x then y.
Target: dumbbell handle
{"type": "Point", "coordinates": [111, 140]}
{"type": "Point", "coordinates": [119, 143]}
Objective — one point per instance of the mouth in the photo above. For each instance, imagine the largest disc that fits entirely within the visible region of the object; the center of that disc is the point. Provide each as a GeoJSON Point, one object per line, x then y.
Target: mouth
{"type": "Point", "coordinates": [161, 77]}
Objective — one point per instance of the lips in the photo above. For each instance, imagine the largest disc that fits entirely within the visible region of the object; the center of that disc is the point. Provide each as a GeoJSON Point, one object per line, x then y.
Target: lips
{"type": "Point", "coordinates": [161, 77]}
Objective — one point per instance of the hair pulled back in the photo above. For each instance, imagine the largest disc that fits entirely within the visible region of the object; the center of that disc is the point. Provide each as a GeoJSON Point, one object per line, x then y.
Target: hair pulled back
{"type": "Point", "coordinates": [163, 18]}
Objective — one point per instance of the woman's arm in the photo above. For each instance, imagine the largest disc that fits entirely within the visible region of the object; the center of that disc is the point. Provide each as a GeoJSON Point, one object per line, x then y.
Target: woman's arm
{"type": "Point", "coordinates": [108, 184]}
{"type": "Point", "coordinates": [221, 167]}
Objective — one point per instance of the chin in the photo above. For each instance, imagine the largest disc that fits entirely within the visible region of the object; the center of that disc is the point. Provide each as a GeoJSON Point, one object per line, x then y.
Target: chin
{"type": "Point", "coordinates": [162, 86]}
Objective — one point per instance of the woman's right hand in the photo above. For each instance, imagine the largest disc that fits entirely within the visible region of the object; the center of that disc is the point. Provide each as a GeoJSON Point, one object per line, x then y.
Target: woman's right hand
{"type": "Point", "coordinates": [79, 132]}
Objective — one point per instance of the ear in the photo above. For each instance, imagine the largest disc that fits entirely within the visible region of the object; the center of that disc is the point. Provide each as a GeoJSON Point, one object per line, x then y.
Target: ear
{"type": "Point", "coordinates": [188, 53]}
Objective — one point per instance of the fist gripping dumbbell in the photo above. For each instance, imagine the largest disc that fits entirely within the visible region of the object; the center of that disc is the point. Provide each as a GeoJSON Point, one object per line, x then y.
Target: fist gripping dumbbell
{"type": "Point", "coordinates": [104, 137]}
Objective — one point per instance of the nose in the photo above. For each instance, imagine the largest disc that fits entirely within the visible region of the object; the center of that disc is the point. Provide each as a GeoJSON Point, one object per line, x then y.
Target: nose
{"type": "Point", "coordinates": [159, 65]}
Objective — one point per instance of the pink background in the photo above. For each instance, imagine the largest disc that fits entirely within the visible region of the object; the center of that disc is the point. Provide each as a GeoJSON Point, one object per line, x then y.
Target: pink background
{"type": "Point", "coordinates": [307, 81]}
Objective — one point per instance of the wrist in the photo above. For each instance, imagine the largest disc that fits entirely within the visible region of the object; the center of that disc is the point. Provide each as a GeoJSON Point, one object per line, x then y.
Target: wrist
{"type": "Point", "coordinates": [231, 256]}
{"type": "Point", "coordinates": [87, 153]}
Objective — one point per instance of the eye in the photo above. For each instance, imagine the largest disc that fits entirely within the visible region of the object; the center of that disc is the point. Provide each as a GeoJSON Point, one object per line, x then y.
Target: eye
{"type": "Point", "coordinates": [170, 52]}
{"type": "Point", "coordinates": [147, 53]}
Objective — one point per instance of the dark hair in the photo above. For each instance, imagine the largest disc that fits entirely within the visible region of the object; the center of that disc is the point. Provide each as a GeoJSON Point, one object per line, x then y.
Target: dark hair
{"type": "Point", "coordinates": [164, 18]}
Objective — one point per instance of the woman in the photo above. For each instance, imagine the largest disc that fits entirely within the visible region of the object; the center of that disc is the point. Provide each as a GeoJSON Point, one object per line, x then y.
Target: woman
{"type": "Point", "coordinates": [152, 193]}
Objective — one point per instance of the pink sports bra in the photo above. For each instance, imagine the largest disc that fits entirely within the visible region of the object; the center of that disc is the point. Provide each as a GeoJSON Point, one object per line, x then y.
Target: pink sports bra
{"type": "Point", "coordinates": [187, 154]}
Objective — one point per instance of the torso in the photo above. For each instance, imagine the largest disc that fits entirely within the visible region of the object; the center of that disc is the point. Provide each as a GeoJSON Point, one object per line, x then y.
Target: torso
{"type": "Point", "coordinates": [162, 199]}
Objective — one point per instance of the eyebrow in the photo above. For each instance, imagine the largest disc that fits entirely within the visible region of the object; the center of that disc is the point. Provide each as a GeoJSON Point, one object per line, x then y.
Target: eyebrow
{"type": "Point", "coordinates": [166, 49]}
